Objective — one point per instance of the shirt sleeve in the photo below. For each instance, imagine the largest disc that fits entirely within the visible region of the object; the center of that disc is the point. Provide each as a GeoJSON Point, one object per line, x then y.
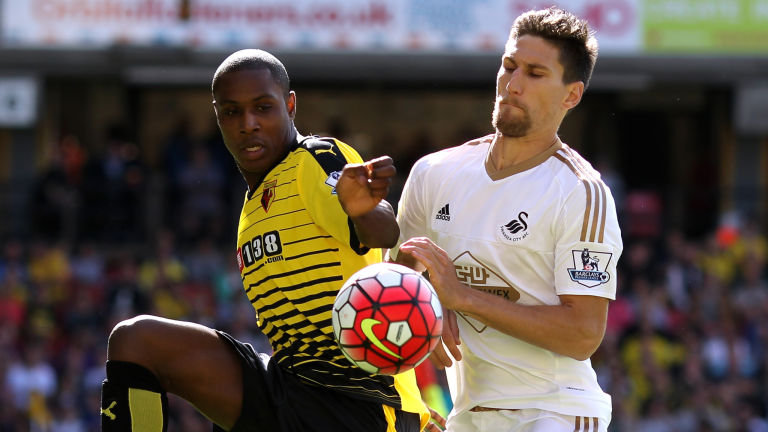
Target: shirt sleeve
{"type": "Point", "coordinates": [317, 177]}
{"type": "Point", "coordinates": [588, 242]}
{"type": "Point", "coordinates": [411, 207]}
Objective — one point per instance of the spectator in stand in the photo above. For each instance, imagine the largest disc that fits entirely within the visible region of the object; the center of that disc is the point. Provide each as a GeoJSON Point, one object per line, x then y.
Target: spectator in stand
{"type": "Point", "coordinates": [750, 245]}
{"type": "Point", "coordinates": [201, 189]}
{"type": "Point", "coordinates": [204, 261]}
{"type": "Point", "coordinates": [13, 298]}
{"type": "Point", "coordinates": [162, 265]}
{"type": "Point", "coordinates": [124, 294]}
{"type": "Point", "coordinates": [87, 264]}
{"type": "Point", "coordinates": [114, 191]}
{"type": "Point", "coordinates": [32, 380]}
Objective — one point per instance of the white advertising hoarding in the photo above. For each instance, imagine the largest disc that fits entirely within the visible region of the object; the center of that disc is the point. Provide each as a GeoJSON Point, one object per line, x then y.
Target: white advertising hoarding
{"type": "Point", "coordinates": [393, 25]}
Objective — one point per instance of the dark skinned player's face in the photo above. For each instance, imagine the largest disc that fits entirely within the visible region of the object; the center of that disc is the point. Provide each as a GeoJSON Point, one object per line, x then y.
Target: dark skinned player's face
{"type": "Point", "coordinates": [255, 119]}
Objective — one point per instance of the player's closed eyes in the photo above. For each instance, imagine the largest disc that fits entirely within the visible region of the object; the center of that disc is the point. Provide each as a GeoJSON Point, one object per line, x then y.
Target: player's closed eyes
{"type": "Point", "coordinates": [531, 72]}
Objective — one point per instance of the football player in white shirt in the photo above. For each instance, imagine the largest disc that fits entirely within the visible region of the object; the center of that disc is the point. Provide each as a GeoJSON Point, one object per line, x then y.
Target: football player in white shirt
{"type": "Point", "coordinates": [520, 238]}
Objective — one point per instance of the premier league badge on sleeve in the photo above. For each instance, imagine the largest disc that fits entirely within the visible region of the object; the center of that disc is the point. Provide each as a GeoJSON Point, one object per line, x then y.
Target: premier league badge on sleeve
{"type": "Point", "coordinates": [589, 267]}
{"type": "Point", "coordinates": [332, 179]}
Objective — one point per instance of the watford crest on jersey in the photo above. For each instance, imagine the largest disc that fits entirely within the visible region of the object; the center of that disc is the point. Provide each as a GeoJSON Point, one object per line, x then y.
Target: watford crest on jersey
{"type": "Point", "coordinates": [268, 195]}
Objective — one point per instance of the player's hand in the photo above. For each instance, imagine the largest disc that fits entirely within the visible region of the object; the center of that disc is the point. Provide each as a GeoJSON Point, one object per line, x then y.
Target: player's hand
{"type": "Point", "coordinates": [439, 358]}
{"type": "Point", "coordinates": [442, 272]}
{"type": "Point", "coordinates": [362, 186]}
{"type": "Point", "coordinates": [436, 422]}
{"type": "Point", "coordinates": [410, 262]}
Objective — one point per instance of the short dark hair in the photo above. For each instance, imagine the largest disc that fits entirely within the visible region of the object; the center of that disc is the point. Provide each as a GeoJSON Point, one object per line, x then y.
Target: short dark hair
{"type": "Point", "coordinates": [568, 33]}
{"type": "Point", "coordinates": [254, 59]}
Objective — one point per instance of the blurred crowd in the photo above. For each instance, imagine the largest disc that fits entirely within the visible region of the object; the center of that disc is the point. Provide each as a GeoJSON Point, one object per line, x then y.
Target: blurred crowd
{"type": "Point", "coordinates": [687, 337]}
{"type": "Point", "coordinates": [109, 238]}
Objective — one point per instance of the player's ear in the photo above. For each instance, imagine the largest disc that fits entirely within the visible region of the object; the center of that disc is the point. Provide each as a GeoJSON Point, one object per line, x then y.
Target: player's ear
{"type": "Point", "coordinates": [573, 97]}
{"type": "Point", "coordinates": [215, 109]}
{"type": "Point", "coordinates": [290, 104]}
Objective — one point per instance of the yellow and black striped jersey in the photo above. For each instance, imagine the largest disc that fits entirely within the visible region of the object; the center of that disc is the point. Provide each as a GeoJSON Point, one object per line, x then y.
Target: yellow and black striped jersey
{"type": "Point", "coordinates": [296, 247]}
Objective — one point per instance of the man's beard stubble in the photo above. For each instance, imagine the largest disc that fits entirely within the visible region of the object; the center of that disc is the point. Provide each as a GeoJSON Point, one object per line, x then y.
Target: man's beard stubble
{"type": "Point", "coordinates": [511, 127]}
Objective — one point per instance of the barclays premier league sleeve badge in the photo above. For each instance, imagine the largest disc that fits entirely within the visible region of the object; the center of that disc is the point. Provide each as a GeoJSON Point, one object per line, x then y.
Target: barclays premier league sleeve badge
{"type": "Point", "coordinates": [332, 179]}
{"type": "Point", "coordinates": [589, 267]}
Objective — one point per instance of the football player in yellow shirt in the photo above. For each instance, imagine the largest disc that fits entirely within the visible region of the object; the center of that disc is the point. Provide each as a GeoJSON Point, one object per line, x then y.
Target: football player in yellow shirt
{"type": "Point", "coordinates": [313, 215]}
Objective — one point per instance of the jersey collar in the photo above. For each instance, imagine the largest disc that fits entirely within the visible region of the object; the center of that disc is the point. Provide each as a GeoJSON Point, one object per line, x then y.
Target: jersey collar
{"type": "Point", "coordinates": [525, 165]}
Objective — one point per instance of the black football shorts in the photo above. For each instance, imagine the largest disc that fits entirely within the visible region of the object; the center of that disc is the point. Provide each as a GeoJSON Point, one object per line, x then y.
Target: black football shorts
{"type": "Point", "coordinates": [278, 401]}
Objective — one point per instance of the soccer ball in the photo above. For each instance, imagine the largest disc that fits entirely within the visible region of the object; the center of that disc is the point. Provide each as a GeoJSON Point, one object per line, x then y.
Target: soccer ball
{"type": "Point", "coordinates": [387, 318]}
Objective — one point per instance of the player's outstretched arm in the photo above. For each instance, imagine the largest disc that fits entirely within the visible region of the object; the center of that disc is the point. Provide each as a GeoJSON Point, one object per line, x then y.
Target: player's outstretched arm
{"type": "Point", "coordinates": [573, 328]}
{"type": "Point", "coordinates": [361, 190]}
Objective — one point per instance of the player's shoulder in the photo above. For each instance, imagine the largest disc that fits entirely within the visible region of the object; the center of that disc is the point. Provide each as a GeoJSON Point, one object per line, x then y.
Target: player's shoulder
{"type": "Point", "coordinates": [482, 141]}
{"type": "Point", "coordinates": [578, 181]}
{"type": "Point", "coordinates": [317, 145]}
{"type": "Point", "coordinates": [471, 146]}
{"type": "Point", "coordinates": [330, 153]}
{"type": "Point", "coordinates": [572, 167]}
{"type": "Point", "coordinates": [587, 197]}
{"type": "Point", "coordinates": [456, 154]}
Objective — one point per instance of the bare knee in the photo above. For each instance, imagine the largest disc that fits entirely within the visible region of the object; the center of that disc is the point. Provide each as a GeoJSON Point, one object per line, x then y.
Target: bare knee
{"type": "Point", "coordinates": [130, 338]}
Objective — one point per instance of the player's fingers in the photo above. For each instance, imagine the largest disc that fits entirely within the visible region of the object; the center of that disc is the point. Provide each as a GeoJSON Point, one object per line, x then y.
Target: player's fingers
{"type": "Point", "coordinates": [379, 184]}
{"type": "Point", "coordinates": [431, 427]}
{"type": "Point", "coordinates": [441, 269]}
{"type": "Point", "coordinates": [388, 171]}
{"type": "Point", "coordinates": [438, 254]}
{"type": "Point", "coordinates": [421, 245]}
{"type": "Point", "coordinates": [426, 243]}
{"type": "Point", "coordinates": [449, 337]}
{"type": "Point", "coordinates": [378, 194]}
{"type": "Point", "coordinates": [417, 241]}
{"type": "Point", "coordinates": [451, 329]}
{"type": "Point", "coordinates": [379, 191]}
{"type": "Point", "coordinates": [435, 269]}
{"type": "Point", "coordinates": [353, 168]}
{"type": "Point", "coordinates": [358, 171]}
{"type": "Point", "coordinates": [454, 350]}
{"type": "Point", "coordinates": [420, 253]}
{"type": "Point", "coordinates": [440, 420]}
{"type": "Point", "coordinates": [380, 161]}
{"type": "Point", "coordinates": [450, 342]}
{"type": "Point", "coordinates": [409, 260]}
{"type": "Point", "coordinates": [450, 320]}
{"type": "Point", "coordinates": [439, 358]}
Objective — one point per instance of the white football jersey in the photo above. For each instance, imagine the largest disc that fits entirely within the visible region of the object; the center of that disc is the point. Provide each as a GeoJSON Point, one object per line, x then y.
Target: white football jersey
{"type": "Point", "coordinates": [528, 233]}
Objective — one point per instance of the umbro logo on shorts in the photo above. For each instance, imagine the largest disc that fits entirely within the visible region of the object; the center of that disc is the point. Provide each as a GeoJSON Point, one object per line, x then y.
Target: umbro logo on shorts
{"type": "Point", "coordinates": [444, 214]}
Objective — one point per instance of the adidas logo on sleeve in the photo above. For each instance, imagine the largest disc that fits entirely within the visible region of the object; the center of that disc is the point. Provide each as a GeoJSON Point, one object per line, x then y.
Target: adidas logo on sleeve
{"type": "Point", "coordinates": [443, 214]}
